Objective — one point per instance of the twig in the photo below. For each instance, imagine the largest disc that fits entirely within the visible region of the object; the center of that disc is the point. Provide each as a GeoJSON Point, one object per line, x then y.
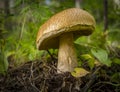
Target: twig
{"type": "Point", "coordinates": [21, 82]}
{"type": "Point", "coordinates": [51, 55]}
{"type": "Point", "coordinates": [43, 87]}
{"type": "Point", "coordinates": [109, 83]}
{"type": "Point", "coordinates": [36, 89]}
{"type": "Point", "coordinates": [56, 68]}
{"type": "Point", "coordinates": [31, 70]}
{"type": "Point", "coordinates": [92, 79]}
{"type": "Point", "coordinates": [31, 78]}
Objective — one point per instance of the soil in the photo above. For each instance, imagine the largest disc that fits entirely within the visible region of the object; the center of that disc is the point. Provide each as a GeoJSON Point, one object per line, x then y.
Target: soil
{"type": "Point", "coordinates": [41, 76]}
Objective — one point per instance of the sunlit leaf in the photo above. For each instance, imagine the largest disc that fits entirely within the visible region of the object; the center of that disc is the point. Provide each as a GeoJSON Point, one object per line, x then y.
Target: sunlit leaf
{"type": "Point", "coordinates": [86, 56]}
{"type": "Point", "coordinates": [89, 59]}
{"type": "Point", "coordinates": [97, 63]}
{"type": "Point", "coordinates": [91, 63]}
{"type": "Point", "coordinates": [79, 72]}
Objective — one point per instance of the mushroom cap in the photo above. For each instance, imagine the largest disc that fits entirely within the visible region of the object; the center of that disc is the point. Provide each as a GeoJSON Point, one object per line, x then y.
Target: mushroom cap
{"type": "Point", "coordinates": [74, 20]}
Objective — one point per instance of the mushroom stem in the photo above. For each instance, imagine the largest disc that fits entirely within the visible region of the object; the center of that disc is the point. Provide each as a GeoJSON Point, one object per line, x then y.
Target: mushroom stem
{"type": "Point", "coordinates": [67, 59]}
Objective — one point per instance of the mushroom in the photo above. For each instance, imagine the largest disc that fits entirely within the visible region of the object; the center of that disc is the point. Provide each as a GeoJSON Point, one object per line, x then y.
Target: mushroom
{"type": "Point", "coordinates": [60, 31]}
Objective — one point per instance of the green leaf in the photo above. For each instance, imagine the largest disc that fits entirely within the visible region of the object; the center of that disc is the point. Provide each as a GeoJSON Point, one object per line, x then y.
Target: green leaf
{"type": "Point", "coordinates": [86, 56]}
{"type": "Point", "coordinates": [102, 56]}
{"type": "Point", "coordinates": [79, 72]}
{"type": "Point", "coordinates": [81, 48]}
{"type": "Point", "coordinates": [116, 60]}
{"type": "Point", "coordinates": [3, 63]}
{"type": "Point", "coordinates": [91, 63]}
{"type": "Point", "coordinates": [115, 77]}
{"type": "Point", "coordinates": [89, 59]}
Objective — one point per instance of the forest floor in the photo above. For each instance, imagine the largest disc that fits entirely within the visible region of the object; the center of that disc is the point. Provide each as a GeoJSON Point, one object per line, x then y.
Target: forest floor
{"type": "Point", "coordinates": [41, 76]}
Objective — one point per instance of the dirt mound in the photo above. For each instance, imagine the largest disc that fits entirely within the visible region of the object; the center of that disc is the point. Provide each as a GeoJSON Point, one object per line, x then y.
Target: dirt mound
{"type": "Point", "coordinates": [41, 76]}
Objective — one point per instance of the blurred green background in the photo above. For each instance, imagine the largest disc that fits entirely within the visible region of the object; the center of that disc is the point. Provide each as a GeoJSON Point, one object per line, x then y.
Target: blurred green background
{"type": "Point", "coordinates": [20, 21]}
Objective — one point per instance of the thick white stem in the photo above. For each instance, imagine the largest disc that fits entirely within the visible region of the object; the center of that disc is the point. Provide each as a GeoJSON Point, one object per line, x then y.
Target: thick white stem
{"type": "Point", "coordinates": [67, 59]}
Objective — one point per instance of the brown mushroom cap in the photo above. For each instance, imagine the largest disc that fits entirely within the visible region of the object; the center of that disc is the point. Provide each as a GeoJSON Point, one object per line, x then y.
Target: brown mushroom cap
{"type": "Point", "coordinates": [74, 20]}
